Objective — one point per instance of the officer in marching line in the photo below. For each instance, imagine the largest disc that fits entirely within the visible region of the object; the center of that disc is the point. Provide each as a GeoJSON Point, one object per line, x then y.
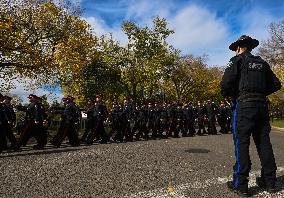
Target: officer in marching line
{"type": "Point", "coordinates": [189, 113]}
{"type": "Point", "coordinates": [11, 120]}
{"type": "Point", "coordinates": [150, 120]}
{"type": "Point", "coordinates": [211, 110]}
{"type": "Point", "coordinates": [46, 121]}
{"type": "Point", "coordinates": [143, 131]}
{"type": "Point", "coordinates": [115, 119]}
{"type": "Point", "coordinates": [90, 121]}
{"type": "Point", "coordinates": [180, 120]}
{"type": "Point", "coordinates": [222, 117]}
{"type": "Point", "coordinates": [163, 125]}
{"type": "Point", "coordinates": [125, 120]}
{"type": "Point", "coordinates": [229, 109]}
{"type": "Point", "coordinates": [4, 122]}
{"type": "Point", "coordinates": [136, 118]}
{"type": "Point", "coordinates": [155, 129]}
{"type": "Point", "coordinates": [68, 126]}
{"type": "Point", "coordinates": [100, 116]}
{"type": "Point", "coordinates": [33, 125]}
{"type": "Point", "coordinates": [200, 114]}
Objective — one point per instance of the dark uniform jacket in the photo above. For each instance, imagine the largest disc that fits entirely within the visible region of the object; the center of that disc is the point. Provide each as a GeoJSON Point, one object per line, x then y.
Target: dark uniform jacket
{"type": "Point", "coordinates": [4, 117]}
{"type": "Point", "coordinates": [230, 85]}
{"type": "Point", "coordinates": [71, 113]}
{"type": "Point", "coordinates": [34, 112]}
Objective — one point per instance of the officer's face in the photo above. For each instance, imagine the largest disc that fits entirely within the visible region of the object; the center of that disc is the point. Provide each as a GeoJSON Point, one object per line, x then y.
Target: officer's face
{"type": "Point", "coordinates": [240, 50]}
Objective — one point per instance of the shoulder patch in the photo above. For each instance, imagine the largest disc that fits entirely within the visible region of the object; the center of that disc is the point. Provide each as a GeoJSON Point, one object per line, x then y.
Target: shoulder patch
{"type": "Point", "coordinates": [229, 64]}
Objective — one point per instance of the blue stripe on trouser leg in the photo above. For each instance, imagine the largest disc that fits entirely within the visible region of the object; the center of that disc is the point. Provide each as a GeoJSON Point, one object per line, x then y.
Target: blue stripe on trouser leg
{"type": "Point", "coordinates": [236, 172]}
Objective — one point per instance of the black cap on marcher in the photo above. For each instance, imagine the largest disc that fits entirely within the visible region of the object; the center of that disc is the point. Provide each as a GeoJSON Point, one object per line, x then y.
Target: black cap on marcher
{"type": "Point", "coordinates": [32, 96]}
{"type": "Point", "coordinates": [99, 96]}
{"type": "Point", "coordinates": [7, 98]}
{"type": "Point", "coordinates": [246, 41]}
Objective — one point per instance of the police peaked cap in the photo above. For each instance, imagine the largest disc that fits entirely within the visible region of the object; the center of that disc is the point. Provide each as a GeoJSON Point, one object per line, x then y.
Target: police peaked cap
{"type": "Point", "coordinates": [99, 96]}
{"type": "Point", "coordinates": [70, 98]}
{"type": "Point", "coordinates": [7, 97]}
{"type": "Point", "coordinates": [32, 96]}
{"type": "Point", "coordinates": [246, 41]}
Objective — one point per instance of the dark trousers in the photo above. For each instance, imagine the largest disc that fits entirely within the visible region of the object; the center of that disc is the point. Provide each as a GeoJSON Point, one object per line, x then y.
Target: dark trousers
{"type": "Point", "coordinates": [201, 125]}
{"type": "Point", "coordinates": [98, 131]}
{"type": "Point", "coordinates": [211, 125]}
{"type": "Point", "coordinates": [6, 132]}
{"type": "Point", "coordinates": [252, 118]}
{"type": "Point", "coordinates": [222, 120]}
{"type": "Point", "coordinates": [32, 130]}
{"type": "Point", "coordinates": [191, 129]}
{"type": "Point", "coordinates": [229, 124]}
{"type": "Point", "coordinates": [88, 129]}
{"type": "Point", "coordinates": [3, 142]}
{"type": "Point", "coordinates": [66, 129]}
{"type": "Point", "coordinates": [163, 126]}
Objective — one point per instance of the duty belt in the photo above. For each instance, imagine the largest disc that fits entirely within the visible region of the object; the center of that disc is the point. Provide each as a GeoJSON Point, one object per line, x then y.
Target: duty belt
{"type": "Point", "coordinates": [248, 97]}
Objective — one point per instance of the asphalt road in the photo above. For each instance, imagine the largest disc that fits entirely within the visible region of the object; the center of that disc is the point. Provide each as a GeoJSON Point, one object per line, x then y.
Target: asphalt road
{"type": "Point", "coordinates": [184, 167]}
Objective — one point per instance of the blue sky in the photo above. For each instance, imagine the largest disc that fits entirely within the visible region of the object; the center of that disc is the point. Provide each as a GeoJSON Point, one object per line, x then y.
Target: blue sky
{"type": "Point", "coordinates": [201, 26]}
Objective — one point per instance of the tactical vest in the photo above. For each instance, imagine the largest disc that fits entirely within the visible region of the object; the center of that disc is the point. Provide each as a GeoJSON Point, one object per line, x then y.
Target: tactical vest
{"type": "Point", "coordinates": [253, 76]}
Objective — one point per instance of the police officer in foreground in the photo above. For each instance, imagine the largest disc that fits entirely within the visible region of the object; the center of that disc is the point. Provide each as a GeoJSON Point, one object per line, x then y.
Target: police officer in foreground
{"type": "Point", "coordinates": [248, 79]}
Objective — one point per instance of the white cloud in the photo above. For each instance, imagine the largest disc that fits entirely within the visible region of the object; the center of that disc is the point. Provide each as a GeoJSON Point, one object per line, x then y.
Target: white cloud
{"type": "Point", "coordinates": [24, 87]}
{"type": "Point", "coordinates": [100, 28]}
{"type": "Point", "coordinates": [197, 28]}
{"type": "Point", "coordinates": [255, 23]}
{"type": "Point", "coordinates": [145, 10]}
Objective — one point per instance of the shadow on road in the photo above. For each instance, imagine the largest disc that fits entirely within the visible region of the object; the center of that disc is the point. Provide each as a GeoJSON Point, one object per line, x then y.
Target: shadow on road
{"type": "Point", "coordinates": [45, 151]}
{"type": "Point", "coordinates": [279, 184]}
{"type": "Point", "coordinates": [196, 150]}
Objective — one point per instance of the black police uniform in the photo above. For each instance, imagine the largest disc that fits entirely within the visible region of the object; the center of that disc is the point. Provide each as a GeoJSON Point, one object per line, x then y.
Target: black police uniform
{"type": "Point", "coordinates": [69, 118]}
{"type": "Point", "coordinates": [125, 122]}
{"type": "Point", "coordinates": [211, 114]}
{"type": "Point", "coordinates": [3, 125]}
{"type": "Point", "coordinates": [180, 121]}
{"type": "Point", "coordinates": [174, 121]}
{"type": "Point", "coordinates": [222, 117]}
{"type": "Point", "coordinates": [163, 124]}
{"type": "Point", "coordinates": [90, 122]}
{"type": "Point", "coordinates": [136, 118]}
{"type": "Point", "coordinates": [142, 124]}
{"type": "Point", "coordinates": [189, 114]}
{"type": "Point", "coordinates": [99, 130]}
{"type": "Point", "coordinates": [200, 111]}
{"type": "Point", "coordinates": [229, 118]}
{"type": "Point", "coordinates": [33, 125]}
{"type": "Point", "coordinates": [248, 79]}
{"type": "Point", "coordinates": [114, 117]}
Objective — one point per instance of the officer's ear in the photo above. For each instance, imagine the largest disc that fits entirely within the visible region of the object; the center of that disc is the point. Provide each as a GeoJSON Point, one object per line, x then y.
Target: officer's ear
{"type": "Point", "coordinates": [238, 50]}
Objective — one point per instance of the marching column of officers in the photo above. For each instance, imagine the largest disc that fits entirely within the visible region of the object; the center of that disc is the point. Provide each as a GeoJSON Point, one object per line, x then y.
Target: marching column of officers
{"type": "Point", "coordinates": [126, 122]}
